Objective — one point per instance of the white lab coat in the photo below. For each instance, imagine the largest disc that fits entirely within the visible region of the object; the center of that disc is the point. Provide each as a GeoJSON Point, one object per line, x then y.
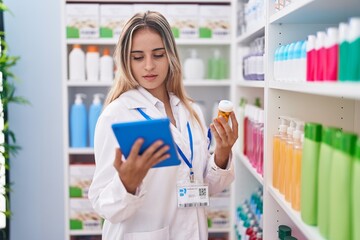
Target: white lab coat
{"type": "Point", "coordinates": [152, 213]}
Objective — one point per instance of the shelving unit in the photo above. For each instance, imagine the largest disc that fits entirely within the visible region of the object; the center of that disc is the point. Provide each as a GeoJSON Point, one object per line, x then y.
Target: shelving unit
{"type": "Point", "coordinates": [205, 91]}
{"type": "Point", "coordinates": [329, 103]}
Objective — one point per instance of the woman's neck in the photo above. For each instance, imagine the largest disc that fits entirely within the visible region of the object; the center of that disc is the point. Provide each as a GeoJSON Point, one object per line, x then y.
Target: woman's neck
{"type": "Point", "coordinates": [160, 94]}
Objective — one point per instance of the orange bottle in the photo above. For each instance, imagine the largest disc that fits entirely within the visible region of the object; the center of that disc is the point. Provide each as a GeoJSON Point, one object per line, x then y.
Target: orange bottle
{"type": "Point", "coordinates": [296, 170]}
{"type": "Point", "coordinates": [283, 163]}
{"type": "Point", "coordinates": [276, 151]}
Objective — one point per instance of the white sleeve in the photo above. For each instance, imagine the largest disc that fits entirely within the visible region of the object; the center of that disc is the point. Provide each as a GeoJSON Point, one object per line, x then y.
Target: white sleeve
{"type": "Point", "coordinates": [107, 193]}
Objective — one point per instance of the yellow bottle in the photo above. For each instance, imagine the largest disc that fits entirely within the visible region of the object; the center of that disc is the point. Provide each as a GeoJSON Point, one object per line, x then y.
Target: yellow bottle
{"type": "Point", "coordinates": [276, 151]}
{"type": "Point", "coordinates": [225, 108]}
{"type": "Point", "coordinates": [284, 163]}
{"type": "Point", "coordinates": [296, 171]}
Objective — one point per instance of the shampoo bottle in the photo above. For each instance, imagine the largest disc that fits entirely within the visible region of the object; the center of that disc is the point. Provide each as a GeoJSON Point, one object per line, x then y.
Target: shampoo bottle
{"type": "Point", "coordinates": [325, 158]}
{"type": "Point", "coordinates": [276, 150]}
{"type": "Point", "coordinates": [296, 65]}
{"type": "Point", "coordinates": [310, 58]}
{"type": "Point", "coordinates": [289, 159]}
{"type": "Point", "coordinates": [106, 67]}
{"type": "Point", "coordinates": [303, 62]}
{"type": "Point", "coordinates": [343, 52]}
{"type": "Point", "coordinates": [296, 168]}
{"type": "Point", "coordinates": [216, 66]}
{"type": "Point", "coordinates": [356, 193]}
{"type": "Point", "coordinates": [309, 173]}
{"type": "Point", "coordinates": [332, 52]}
{"type": "Point", "coordinates": [320, 64]}
{"type": "Point", "coordinates": [193, 67]}
{"type": "Point", "coordinates": [92, 63]}
{"type": "Point", "coordinates": [94, 113]}
{"type": "Point", "coordinates": [77, 64]}
{"type": "Point", "coordinates": [340, 185]}
{"type": "Point", "coordinates": [354, 49]}
{"type": "Point", "coordinates": [78, 123]}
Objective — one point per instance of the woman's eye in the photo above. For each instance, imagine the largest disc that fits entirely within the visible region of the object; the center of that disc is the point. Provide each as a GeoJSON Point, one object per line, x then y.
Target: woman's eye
{"type": "Point", "coordinates": [159, 55]}
{"type": "Point", "coordinates": [137, 58]}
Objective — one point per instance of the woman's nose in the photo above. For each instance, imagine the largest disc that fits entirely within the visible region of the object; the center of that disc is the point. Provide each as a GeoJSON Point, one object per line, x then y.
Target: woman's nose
{"type": "Point", "coordinates": [149, 64]}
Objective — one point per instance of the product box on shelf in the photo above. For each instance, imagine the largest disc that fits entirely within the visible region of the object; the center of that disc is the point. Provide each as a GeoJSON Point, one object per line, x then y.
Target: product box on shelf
{"type": "Point", "coordinates": [214, 21]}
{"type": "Point", "coordinates": [82, 20]}
{"type": "Point", "coordinates": [218, 213]}
{"type": "Point", "coordinates": [83, 216]}
{"type": "Point", "coordinates": [80, 179]}
{"type": "Point", "coordinates": [183, 19]}
{"type": "Point", "coordinates": [113, 18]}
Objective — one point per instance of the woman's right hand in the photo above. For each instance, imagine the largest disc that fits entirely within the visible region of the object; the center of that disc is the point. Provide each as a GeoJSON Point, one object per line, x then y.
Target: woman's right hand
{"type": "Point", "coordinates": [132, 171]}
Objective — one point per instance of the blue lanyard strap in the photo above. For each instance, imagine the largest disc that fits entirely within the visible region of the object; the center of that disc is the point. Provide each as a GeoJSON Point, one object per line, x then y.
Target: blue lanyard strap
{"type": "Point", "coordinates": [189, 163]}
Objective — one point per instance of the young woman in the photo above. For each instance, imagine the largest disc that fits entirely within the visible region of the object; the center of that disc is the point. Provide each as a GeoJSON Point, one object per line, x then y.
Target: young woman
{"type": "Point", "coordinates": [137, 201]}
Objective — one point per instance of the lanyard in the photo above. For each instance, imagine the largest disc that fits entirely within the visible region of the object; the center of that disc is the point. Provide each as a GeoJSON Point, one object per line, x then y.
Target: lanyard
{"type": "Point", "coordinates": [186, 160]}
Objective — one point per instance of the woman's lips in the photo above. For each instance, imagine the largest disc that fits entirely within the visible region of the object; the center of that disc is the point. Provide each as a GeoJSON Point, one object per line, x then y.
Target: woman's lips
{"type": "Point", "coordinates": [150, 77]}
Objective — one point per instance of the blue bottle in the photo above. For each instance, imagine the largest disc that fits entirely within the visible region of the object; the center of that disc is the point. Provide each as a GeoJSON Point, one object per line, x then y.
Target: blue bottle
{"type": "Point", "coordinates": [78, 123]}
{"type": "Point", "coordinates": [94, 113]}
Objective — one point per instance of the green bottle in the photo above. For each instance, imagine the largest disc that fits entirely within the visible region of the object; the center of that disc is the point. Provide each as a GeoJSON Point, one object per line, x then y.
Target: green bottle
{"type": "Point", "coordinates": [343, 52]}
{"type": "Point", "coordinates": [290, 238]}
{"type": "Point", "coordinates": [283, 232]}
{"type": "Point", "coordinates": [354, 49]}
{"type": "Point", "coordinates": [340, 185]}
{"type": "Point", "coordinates": [309, 172]}
{"type": "Point", "coordinates": [356, 194]}
{"type": "Point", "coordinates": [325, 157]}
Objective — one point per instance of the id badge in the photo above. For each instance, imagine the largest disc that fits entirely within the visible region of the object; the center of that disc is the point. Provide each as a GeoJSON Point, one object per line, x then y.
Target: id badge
{"type": "Point", "coordinates": [192, 195]}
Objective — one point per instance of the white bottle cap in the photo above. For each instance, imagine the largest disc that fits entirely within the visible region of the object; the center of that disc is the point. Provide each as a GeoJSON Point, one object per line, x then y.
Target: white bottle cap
{"type": "Point", "coordinates": [283, 124]}
{"type": "Point", "coordinates": [343, 32]}
{"type": "Point", "coordinates": [226, 106]}
{"type": "Point", "coordinates": [311, 42]}
{"type": "Point", "coordinates": [193, 53]}
{"type": "Point", "coordinates": [354, 29]}
{"type": "Point", "coordinates": [97, 98]}
{"type": "Point", "coordinates": [320, 40]}
{"type": "Point", "coordinates": [299, 130]}
{"type": "Point", "coordinates": [216, 53]}
{"type": "Point", "coordinates": [79, 97]}
{"type": "Point", "coordinates": [332, 37]}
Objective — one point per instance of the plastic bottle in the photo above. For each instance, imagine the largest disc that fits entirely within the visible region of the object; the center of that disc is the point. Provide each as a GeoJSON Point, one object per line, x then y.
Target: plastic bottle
{"type": "Point", "coordinates": [276, 150]}
{"type": "Point", "coordinates": [216, 66]}
{"type": "Point", "coordinates": [225, 108]}
{"type": "Point", "coordinates": [106, 66]}
{"type": "Point", "coordinates": [356, 193]}
{"type": "Point", "coordinates": [77, 64]}
{"type": "Point", "coordinates": [276, 64]}
{"type": "Point", "coordinates": [94, 113]}
{"type": "Point", "coordinates": [296, 62]}
{"type": "Point", "coordinates": [343, 52]}
{"type": "Point", "coordinates": [78, 123]}
{"type": "Point", "coordinates": [354, 49]}
{"type": "Point", "coordinates": [193, 67]}
{"type": "Point", "coordinates": [246, 122]}
{"type": "Point", "coordinates": [289, 159]}
{"type": "Point", "coordinates": [332, 52]}
{"type": "Point", "coordinates": [260, 148]}
{"type": "Point", "coordinates": [240, 118]}
{"type": "Point", "coordinates": [290, 63]}
{"type": "Point", "coordinates": [325, 158]}
{"type": "Point", "coordinates": [303, 62]}
{"type": "Point", "coordinates": [280, 72]}
{"type": "Point", "coordinates": [285, 67]}
{"type": "Point", "coordinates": [92, 63]}
{"type": "Point", "coordinates": [310, 58]}
{"type": "Point", "coordinates": [309, 173]}
{"type": "Point", "coordinates": [290, 238]}
{"type": "Point", "coordinates": [284, 231]}
{"type": "Point", "coordinates": [321, 56]}
{"type": "Point", "coordinates": [340, 185]}
{"type": "Point", "coordinates": [296, 178]}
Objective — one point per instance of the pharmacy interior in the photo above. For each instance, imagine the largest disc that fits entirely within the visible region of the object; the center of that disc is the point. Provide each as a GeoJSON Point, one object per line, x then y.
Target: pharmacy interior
{"type": "Point", "coordinates": [291, 69]}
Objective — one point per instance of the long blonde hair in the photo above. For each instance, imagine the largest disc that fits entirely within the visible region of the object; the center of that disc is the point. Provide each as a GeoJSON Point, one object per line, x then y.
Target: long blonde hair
{"type": "Point", "coordinates": [124, 79]}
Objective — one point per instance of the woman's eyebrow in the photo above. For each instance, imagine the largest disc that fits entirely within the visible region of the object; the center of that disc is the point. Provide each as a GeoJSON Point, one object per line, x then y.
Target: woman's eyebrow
{"type": "Point", "coordinates": [155, 49]}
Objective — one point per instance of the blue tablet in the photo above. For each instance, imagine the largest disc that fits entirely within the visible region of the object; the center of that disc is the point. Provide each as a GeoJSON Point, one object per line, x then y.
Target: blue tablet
{"type": "Point", "coordinates": [150, 130]}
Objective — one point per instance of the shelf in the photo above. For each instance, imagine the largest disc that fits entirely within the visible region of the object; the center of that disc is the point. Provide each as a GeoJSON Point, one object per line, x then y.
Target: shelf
{"type": "Point", "coordinates": [70, 83]}
{"type": "Point", "coordinates": [349, 90]}
{"type": "Point", "coordinates": [317, 11]}
{"type": "Point", "coordinates": [85, 232]}
{"type": "Point", "coordinates": [219, 230]}
{"type": "Point", "coordinates": [256, 84]}
{"type": "Point", "coordinates": [151, 1]}
{"type": "Point", "coordinates": [256, 31]}
{"type": "Point", "coordinates": [80, 151]}
{"type": "Point", "coordinates": [180, 42]}
{"type": "Point", "coordinates": [245, 161]}
{"type": "Point", "coordinates": [207, 83]}
{"type": "Point", "coordinates": [309, 232]}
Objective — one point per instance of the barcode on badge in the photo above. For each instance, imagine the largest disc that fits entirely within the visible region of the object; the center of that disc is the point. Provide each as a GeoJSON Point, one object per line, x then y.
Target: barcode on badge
{"type": "Point", "coordinates": [193, 205]}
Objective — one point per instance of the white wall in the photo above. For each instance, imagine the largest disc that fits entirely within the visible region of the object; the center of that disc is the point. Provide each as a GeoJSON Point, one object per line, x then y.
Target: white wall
{"type": "Point", "coordinates": [37, 173]}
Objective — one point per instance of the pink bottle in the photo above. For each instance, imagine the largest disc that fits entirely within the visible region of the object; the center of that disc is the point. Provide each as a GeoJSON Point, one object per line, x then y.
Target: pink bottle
{"type": "Point", "coordinates": [310, 58]}
{"type": "Point", "coordinates": [332, 52]}
{"type": "Point", "coordinates": [260, 149]}
{"type": "Point", "coordinates": [320, 64]}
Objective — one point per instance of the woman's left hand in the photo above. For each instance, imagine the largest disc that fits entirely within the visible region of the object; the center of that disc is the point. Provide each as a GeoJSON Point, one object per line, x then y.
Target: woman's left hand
{"type": "Point", "coordinates": [225, 137]}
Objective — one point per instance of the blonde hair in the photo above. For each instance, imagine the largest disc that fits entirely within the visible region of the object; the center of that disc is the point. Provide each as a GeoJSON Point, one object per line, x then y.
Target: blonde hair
{"type": "Point", "coordinates": [124, 79]}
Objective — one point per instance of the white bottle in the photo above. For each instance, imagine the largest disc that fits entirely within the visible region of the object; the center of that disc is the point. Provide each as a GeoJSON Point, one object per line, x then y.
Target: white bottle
{"type": "Point", "coordinates": [77, 64]}
{"type": "Point", "coordinates": [92, 64]}
{"type": "Point", "coordinates": [106, 66]}
{"type": "Point", "coordinates": [193, 67]}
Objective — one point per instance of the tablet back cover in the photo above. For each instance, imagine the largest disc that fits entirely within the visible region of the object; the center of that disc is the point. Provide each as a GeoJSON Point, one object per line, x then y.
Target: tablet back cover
{"type": "Point", "coordinates": [150, 130]}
